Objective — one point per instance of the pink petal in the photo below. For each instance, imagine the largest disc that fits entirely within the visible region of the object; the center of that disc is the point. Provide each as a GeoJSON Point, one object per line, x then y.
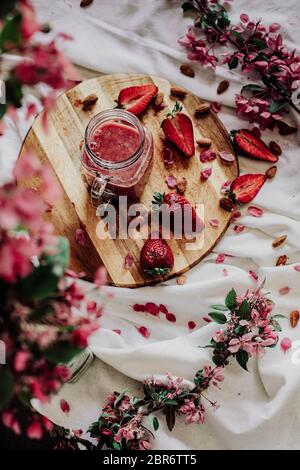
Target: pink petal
{"type": "Point", "coordinates": [64, 406]}
{"type": "Point", "coordinates": [168, 156]}
{"type": "Point", "coordinates": [214, 223]}
{"type": "Point", "coordinates": [138, 307]}
{"type": "Point", "coordinates": [163, 308]}
{"type": "Point", "coordinates": [253, 275]}
{"type": "Point", "coordinates": [171, 181]}
{"type": "Point", "coordinates": [191, 325]}
{"type": "Point", "coordinates": [227, 157]}
{"type": "Point", "coordinates": [117, 331]}
{"type": "Point", "coordinates": [205, 174]}
{"type": "Point", "coordinates": [171, 317]}
{"type": "Point", "coordinates": [297, 268]}
{"type": "Point", "coordinates": [225, 186]}
{"type": "Point", "coordinates": [284, 290]}
{"type": "Point", "coordinates": [129, 259]}
{"type": "Point", "coordinates": [80, 236]}
{"type": "Point", "coordinates": [255, 211]}
{"type": "Point", "coordinates": [239, 228]}
{"type": "Point", "coordinates": [220, 258]}
{"type": "Point", "coordinates": [234, 216]}
{"type": "Point", "coordinates": [152, 308]}
{"type": "Point", "coordinates": [244, 18]}
{"type": "Point", "coordinates": [285, 344]}
{"type": "Point", "coordinates": [215, 107]}
{"type": "Point", "coordinates": [143, 331]}
{"type": "Point", "coordinates": [207, 156]}
{"type": "Point", "coordinates": [100, 276]}
{"type": "Point", "coordinates": [207, 320]}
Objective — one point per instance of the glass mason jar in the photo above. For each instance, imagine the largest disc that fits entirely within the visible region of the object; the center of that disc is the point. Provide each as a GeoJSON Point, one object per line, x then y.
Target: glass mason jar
{"type": "Point", "coordinates": [116, 156]}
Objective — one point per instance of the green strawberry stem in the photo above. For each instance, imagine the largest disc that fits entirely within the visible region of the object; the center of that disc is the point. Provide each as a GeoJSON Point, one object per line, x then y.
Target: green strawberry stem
{"type": "Point", "coordinates": [177, 109]}
{"type": "Point", "coordinates": [158, 198]}
{"type": "Point", "coordinates": [157, 271]}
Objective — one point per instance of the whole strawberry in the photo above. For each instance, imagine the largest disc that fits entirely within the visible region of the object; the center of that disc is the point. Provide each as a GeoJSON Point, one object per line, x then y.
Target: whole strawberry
{"type": "Point", "coordinates": [176, 202]}
{"type": "Point", "coordinates": [178, 128]}
{"type": "Point", "coordinates": [156, 257]}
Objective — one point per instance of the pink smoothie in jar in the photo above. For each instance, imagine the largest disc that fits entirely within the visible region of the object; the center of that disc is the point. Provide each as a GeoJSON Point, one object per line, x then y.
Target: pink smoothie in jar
{"type": "Point", "coordinates": [118, 150]}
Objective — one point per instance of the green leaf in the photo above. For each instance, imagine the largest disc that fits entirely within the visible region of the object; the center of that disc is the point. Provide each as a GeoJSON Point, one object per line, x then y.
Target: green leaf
{"type": "Point", "coordinates": [3, 109]}
{"type": "Point", "coordinates": [252, 87]}
{"type": "Point", "coordinates": [217, 359]}
{"type": "Point", "coordinates": [62, 255]}
{"type": "Point", "coordinates": [155, 423]}
{"type": "Point", "coordinates": [170, 402]}
{"type": "Point", "coordinates": [239, 330]}
{"type": "Point", "coordinates": [222, 308]}
{"type": "Point", "coordinates": [186, 6]}
{"type": "Point", "coordinates": [218, 317]}
{"type": "Point", "coordinates": [117, 445]}
{"type": "Point", "coordinates": [39, 313]}
{"type": "Point", "coordinates": [119, 398]}
{"type": "Point", "coordinates": [170, 417]}
{"type": "Point", "coordinates": [242, 358]}
{"type": "Point", "coordinates": [244, 310]}
{"type": "Point", "coordinates": [233, 63]}
{"type": "Point", "coordinates": [279, 315]}
{"type": "Point", "coordinates": [276, 325]}
{"type": "Point", "coordinates": [10, 35]}
{"type": "Point", "coordinates": [14, 93]}
{"type": "Point", "coordinates": [6, 6]}
{"type": "Point", "coordinates": [6, 386]}
{"type": "Point", "coordinates": [230, 300]}
{"type": "Point", "coordinates": [276, 106]}
{"type": "Point", "coordinates": [223, 19]}
{"type": "Point", "coordinates": [258, 43]}
{"type": "Point", "coordinates": [236, 34]}
{"type": "Point", "coordinates": [62, 352]}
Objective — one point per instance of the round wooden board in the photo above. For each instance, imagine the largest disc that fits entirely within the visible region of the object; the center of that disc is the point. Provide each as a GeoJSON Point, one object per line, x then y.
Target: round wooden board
{"type": "Point", "coordinates": [60, 147]}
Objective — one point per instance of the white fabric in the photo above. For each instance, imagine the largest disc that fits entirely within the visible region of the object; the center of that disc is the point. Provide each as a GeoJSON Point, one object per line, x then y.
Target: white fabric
{"type": "Point", "coordinates": [258, 409]}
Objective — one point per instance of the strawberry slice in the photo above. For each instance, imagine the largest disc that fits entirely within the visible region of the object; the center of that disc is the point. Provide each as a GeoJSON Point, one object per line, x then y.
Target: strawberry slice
{"type": "Point", "coordinates": [137, 98]}
{"type": "Point", "coordinates": [178, 128]}
{"type": "Point", "coordinates": [253, 146]}
{"type": "Point", "coordinates": [244, 188]}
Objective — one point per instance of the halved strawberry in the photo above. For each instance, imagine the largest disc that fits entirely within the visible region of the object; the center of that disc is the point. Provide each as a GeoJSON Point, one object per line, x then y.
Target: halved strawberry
{"type": "Point", "coordinates": [176, 202]}
{"type": "Point", "coordinates": [137, 97]}
{"type": "Point", "coordinates": [253, 146]}
{"type": "Point", "coordinates": [178, 128]}
{"type": "Point", "coordinates": [244, 188]}
{"type": "Point", "coordinates": [156, 257]}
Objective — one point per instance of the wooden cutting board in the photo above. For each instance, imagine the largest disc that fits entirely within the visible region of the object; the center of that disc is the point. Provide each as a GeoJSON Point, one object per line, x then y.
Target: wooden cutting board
{"type": "Point", "coordinates": [60, 147]}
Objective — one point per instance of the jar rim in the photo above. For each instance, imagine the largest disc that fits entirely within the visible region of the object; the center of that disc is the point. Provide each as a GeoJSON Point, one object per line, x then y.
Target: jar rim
{"type": "Point", "coordinates": [108, 115]}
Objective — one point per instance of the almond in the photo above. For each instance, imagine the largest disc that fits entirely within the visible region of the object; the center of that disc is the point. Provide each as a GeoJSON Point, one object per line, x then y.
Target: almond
{"type": "Point", "coordinates": [178, 91]}
{"type": "Point", "coordinates": [204, 142]}
{"type": "Point", "coordinates": [279, 241]}
{"type": "Point", "coordinates": [181, 280]}
{"type": "Point", "coordinates": [187, 70]}
{"type": "Point", "coordinates": [226, 204]}
{"type": "Point", "coordinates": [282, 260]}
{"type": "Point", "coordinates": [89, 101]}
{"type": "Point", "coordinates": [275, 148]}
{"type": "Point", "coordinates": [85, 3]}
{"type": "Point", "coordinates": [181, 185]}
{"type": "Point", "coordinates": [159, 99]}
{"type": "Point", "coordinates": [294, 318]}
{"type": "Point", "coordinates": [223, 86]}
{"type": "Point", "coordinates": [202, 110]}
{"type": "Point", "coordinates": [271, 172]}
{"type": "Point", "coordinates": [285, 129]}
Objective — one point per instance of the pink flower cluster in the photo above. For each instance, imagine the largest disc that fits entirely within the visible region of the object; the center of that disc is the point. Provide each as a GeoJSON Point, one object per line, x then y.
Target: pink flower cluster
{"type": "Point", "coordinates": [38, 326]}
{"type": "Point", "coordinates": [197, 49]}
{"type": "Point", "coordinates": [256, 110]}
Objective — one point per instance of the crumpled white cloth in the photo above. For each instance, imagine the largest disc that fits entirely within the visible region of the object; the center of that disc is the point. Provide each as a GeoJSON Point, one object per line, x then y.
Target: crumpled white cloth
{"type": "Point", "coordinates": [259, 409]}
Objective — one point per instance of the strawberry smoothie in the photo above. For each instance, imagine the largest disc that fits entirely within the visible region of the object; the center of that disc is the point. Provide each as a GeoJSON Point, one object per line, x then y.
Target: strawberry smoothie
{"type": "Point", "coordinates": [120, 149]}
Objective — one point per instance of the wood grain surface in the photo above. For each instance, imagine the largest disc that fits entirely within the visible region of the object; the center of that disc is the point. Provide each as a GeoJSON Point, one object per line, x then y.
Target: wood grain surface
{"type": "Point", "coordinates": [60, 147]}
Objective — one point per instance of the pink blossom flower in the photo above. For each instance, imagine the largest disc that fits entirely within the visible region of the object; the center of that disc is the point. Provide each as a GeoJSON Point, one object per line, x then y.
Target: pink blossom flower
{"type": "Point", "coordinates": [285, 344]}
{"type": "Point", "coordinates": [245, 343]}
{"type": "Point", "coordinates": [220, 336]}
{"type": "Point", "coordinates": [197, 49]}
{"type": "Point", "coordinates": [9, 420]}
{"type": "Point", "coordinates": [81, 334]}
{"type": "Point", "coordinates": [34, 430]}
{"type": "Point", "coordinates": [21, 360]}
{"type": "Point", "coordinates": [256, 110]}
{"type": "Point", "coordinates": [193, 414]}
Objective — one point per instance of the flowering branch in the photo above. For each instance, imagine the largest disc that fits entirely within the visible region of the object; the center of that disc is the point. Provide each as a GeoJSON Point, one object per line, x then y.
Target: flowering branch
{"type": "Point", "coordinates": [248, 328]}
{"type": "Point", "coordinates": [257, 49]}
{"type": "Point", "coordinates": [41, 328]}
{"type": "Point", "coordinates": [40, 62]}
